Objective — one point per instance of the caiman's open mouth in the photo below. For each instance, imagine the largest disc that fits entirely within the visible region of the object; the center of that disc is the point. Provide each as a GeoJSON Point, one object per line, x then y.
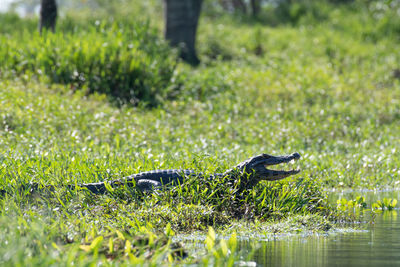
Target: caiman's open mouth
{"type": "Point", "coordinates": [280, 174]}
{"type": "Point", "coordinates": [257, 166]}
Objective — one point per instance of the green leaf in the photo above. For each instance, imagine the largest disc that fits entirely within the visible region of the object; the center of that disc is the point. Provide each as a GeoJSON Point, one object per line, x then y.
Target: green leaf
{"type": "Point", "coordinates": [211, 233]}
{"type": "Point", "coordinates": [120, 235]}
{"type": "Point", "coordinates": [233, 241]}
{"type": "Point", "coordinates": [224, 247]}
{"type": "Point", "coordinates": [128, 247]}
{"type": "Point", "coordinates": [96, 242]}
{"type": "Point", "coordinates": [108, 187]}
{"type": "Point", "coordinates": [169, 231]}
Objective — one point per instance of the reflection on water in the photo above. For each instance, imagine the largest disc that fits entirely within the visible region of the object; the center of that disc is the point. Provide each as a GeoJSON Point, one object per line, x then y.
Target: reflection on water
{"type": "Point", "coordinates": [378, 246]}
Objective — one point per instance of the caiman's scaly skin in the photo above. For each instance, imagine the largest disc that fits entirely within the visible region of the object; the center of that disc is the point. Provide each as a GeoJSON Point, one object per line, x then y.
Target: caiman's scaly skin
{"type": "Point", "coordinates": [249, 172]}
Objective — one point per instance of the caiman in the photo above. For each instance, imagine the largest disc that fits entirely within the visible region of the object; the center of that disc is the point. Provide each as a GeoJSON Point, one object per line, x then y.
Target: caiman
{"type": "Point", "coordinates": [247, 173]}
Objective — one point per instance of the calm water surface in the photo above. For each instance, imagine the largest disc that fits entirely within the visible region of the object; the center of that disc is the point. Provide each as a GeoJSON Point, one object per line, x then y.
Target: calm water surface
{"type": "Point", "coordinates": [378, 245]}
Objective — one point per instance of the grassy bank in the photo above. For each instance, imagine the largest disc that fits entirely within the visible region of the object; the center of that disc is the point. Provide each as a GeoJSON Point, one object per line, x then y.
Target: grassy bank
{"type": "Point", "coordinates": [328, 90]}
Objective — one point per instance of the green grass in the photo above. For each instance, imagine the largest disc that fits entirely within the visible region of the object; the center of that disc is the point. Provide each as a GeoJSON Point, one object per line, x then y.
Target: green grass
{"type": "Point", "coordinates": [128, 62]}
{"type": "Point", "coordinates": [327, 90]}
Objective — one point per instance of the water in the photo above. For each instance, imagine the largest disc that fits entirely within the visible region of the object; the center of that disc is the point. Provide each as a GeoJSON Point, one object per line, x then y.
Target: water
{"type": "Point", "coordinates": [377, 245]}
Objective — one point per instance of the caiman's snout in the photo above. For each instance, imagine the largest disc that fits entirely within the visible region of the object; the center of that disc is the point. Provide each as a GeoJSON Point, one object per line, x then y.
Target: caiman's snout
{"type": "Point", "coordinates": [296, 155]}
{"type": "Point", "coordinates": [268, 160]}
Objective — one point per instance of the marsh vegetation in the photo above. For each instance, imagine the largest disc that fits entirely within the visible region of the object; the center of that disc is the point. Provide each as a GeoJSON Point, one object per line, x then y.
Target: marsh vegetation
{"type": "Point", "coordinates": [105, 97]}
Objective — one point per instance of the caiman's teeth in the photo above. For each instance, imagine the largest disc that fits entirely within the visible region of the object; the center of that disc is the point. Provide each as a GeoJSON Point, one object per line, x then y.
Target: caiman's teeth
{"type": "Point", "coordinates": [289, 166]}
{"type": "Point", "coordinates": [293, 164]}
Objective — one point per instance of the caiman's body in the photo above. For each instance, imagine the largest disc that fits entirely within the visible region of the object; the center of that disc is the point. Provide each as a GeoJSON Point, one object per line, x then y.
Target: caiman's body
{"type": "Point", "coordinates": [249, 173]}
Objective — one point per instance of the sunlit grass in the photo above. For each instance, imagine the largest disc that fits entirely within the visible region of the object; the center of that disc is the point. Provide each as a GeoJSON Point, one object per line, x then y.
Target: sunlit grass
{"type": "Point", "coordinates": [327, 91]}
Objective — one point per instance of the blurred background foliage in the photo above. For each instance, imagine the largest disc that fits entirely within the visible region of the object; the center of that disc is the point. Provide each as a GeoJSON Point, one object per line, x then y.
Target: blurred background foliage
{"type": "Point", "coordinates": [116, 48]}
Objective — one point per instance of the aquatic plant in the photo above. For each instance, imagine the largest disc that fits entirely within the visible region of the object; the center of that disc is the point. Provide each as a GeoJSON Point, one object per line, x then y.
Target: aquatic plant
{"type": "Point", "coordinates": [358, 203]}
{"type": "Point", "coordinates": [385, 204]}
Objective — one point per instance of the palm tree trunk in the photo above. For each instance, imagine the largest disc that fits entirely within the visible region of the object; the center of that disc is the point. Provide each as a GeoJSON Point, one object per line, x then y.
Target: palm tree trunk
{"type": "Point", "coordinates": [239, 5]}
{"type": "Point", "coordinates": [255, 7]}
{"type": "Point", "coordinates": [48, 15]}
{"type": "Point", "coordinates": [181, 19]}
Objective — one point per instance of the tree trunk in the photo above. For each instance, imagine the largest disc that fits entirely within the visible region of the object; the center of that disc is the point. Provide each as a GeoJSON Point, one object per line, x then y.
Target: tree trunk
{"type": "Point", "coordinates": [255, 7]}
{"type": "Point", "coordinates": [181, 19]}
{"type": "Point", "coordinates": [239, 5]}
{"type": "Point", "coordinates": [48, 15]}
